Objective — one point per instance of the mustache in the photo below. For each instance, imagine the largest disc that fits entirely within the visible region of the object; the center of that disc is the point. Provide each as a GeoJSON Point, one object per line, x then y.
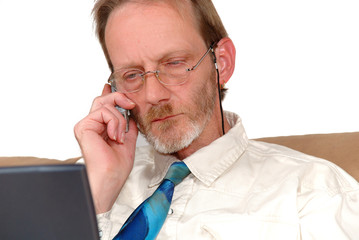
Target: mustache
{"type": "Point", "coordinates": [156, 112]}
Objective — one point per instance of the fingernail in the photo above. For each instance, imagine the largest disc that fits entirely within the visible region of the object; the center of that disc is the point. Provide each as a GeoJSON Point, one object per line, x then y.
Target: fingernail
{"type": "Point", "coordinates": [123, 136]}
{"type": "Point", "coordinates": [130, 101]}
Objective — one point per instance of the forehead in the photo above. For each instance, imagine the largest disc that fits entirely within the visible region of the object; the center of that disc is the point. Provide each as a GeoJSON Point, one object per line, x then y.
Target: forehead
{"type": "Point", "coordinates": [177, 8]}
{"type": "Point", "coordinates": [143, 29]}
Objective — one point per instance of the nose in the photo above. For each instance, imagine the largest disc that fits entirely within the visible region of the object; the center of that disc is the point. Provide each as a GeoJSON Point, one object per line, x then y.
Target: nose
{"type": "Point", "coordinates": [155, 91]}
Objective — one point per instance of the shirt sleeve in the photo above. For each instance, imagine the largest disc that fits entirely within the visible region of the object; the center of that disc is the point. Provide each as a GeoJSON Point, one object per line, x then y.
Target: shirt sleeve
{"type": "Point", "coordinates": [329, 215]}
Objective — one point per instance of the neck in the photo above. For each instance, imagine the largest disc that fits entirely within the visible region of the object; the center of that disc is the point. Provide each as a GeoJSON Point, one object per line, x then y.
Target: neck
{"type": "Point", "coordinates": [208, 136]}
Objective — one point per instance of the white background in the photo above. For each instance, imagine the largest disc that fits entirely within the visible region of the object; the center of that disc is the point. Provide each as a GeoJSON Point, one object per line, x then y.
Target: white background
{"type": "Point", "coordinates": [297, 70]}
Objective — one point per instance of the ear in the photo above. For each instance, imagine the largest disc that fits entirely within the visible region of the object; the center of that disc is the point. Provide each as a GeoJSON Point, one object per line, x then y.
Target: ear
{"type": "Point", "coordinates": [226, 58]}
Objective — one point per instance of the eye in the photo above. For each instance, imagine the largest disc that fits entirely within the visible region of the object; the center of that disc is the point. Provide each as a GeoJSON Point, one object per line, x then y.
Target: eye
{"type": "Point", "coordinates": [132, 75]}
{"type": "Point", "coordinates": [176, 63]}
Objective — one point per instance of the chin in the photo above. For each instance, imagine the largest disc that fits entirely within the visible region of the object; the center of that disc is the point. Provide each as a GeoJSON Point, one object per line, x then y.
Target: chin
{"type": "Point", "coordinates": [169, 142]}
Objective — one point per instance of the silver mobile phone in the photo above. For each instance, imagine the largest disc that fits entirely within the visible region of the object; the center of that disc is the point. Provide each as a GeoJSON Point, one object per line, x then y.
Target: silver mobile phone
{"type": "Point", "coordinates": [125, 112]}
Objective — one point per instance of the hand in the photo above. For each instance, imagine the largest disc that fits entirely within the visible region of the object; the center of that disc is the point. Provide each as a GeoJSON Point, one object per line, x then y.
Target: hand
{"type": "Point", "coordinates": [108, 151]}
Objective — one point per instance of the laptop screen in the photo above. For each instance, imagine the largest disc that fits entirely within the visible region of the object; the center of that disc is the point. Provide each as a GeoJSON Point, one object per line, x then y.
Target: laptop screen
{"type": "Point", "coordinates": [46, 202]}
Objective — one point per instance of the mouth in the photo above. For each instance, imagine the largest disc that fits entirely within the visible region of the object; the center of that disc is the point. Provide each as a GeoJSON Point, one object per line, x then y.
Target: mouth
{"type": "Point", "coordinates": [164, 118]}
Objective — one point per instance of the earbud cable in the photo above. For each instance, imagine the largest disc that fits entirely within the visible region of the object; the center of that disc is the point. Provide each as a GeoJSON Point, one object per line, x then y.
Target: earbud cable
{"type": "Point", "coordinates": [219, 87]}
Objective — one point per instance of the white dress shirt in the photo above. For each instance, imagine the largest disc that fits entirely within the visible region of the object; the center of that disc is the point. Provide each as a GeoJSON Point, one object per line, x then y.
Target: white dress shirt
{"type": "Point", "coordinates": [244, 189]}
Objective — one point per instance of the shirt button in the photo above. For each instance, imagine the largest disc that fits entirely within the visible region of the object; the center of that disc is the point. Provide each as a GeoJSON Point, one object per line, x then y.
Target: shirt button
{"type": "Point", "coordinates": [170, 212]}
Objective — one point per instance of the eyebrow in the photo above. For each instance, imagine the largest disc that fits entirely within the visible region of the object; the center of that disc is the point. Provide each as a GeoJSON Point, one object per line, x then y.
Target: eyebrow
{"type": "Point", "coordinates": [178, 53]}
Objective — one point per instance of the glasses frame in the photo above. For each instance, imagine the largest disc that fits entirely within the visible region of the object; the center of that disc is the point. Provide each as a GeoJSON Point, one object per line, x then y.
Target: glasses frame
{"type": "Point", "coordinates": [156, 72]}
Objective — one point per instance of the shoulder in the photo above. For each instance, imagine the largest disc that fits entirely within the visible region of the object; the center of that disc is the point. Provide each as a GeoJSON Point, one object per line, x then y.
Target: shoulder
{"type": "Point", "coordinates": [310, 172]}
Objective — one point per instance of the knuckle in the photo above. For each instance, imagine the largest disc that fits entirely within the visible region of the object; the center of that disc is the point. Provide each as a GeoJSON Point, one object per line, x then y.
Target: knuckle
{"type": "Point", "coordinates": [77, 129]}
{"type": "Point", "coordinates": [97, 100]}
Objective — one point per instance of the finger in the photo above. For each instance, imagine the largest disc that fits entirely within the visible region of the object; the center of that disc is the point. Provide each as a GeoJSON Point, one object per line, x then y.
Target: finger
{"type": "Point", "coordinates": [129, 138]}
{"type": "Point", "coordinates": [121, 128]}
{"type": "Point", "coordinates": [110, 120]}
{"type": "Point", "coordinates": [106, 89]}
{"type": "Point", "coordinates": [133, 128]}
{"type": "Point", "coordinates": [114, 99]}
{"type": "Point", "coordinates": [103, 122]}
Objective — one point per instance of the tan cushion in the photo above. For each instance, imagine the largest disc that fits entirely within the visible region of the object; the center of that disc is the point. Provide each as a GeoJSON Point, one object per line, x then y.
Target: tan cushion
{"type": "Point", "coordinates": [23, 161]}
{"type": "Point", "coordinates": [340, 148]}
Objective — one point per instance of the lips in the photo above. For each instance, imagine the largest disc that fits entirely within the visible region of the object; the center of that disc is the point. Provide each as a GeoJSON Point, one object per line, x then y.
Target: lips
{"type": "Point", "coordinates": [165, 118]}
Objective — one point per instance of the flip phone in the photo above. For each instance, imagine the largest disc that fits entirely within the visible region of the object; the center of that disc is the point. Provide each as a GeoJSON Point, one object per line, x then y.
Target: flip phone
{"type": "Point", "coordinates": [125, 112]}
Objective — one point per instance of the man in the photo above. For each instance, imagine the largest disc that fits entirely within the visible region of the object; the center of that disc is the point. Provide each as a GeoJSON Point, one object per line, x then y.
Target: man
{"type": "Point", "coordinates": [237, 188]}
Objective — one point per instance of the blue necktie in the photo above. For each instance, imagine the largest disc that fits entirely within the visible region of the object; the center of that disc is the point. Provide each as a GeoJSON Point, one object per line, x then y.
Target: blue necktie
{"type": "Point", "coordinates": [147, 219]}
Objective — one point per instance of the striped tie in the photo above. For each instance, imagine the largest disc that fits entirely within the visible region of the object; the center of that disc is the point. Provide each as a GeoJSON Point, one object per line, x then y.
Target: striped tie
{"type": "Point", "coordinates": [147, 219]}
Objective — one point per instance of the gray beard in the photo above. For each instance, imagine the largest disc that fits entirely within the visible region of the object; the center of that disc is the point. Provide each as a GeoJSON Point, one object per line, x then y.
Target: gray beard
{"type": "Point", "coordinates": [174, 145]}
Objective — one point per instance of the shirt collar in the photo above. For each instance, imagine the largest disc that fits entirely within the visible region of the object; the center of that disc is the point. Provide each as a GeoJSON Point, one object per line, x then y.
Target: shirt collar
{"type": "Point", "coordinates": [209, 162]}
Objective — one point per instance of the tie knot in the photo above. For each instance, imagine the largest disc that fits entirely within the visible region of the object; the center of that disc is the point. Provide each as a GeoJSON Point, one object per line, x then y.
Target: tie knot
{"type": "Point", "coordinates": [177, 172]}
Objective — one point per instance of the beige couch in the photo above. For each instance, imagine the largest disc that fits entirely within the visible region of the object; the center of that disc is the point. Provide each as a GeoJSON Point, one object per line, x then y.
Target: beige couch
{"type": "Point", "coordinates": [340, 148]}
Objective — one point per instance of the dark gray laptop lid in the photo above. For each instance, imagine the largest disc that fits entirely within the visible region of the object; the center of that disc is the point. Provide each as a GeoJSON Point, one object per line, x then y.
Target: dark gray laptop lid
{"type": "Point", "coordinates": [46, 202]}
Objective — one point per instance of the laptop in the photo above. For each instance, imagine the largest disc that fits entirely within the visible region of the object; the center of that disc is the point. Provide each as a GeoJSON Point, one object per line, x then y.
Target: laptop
{"type": "Point", "coordinates": [46, 202]}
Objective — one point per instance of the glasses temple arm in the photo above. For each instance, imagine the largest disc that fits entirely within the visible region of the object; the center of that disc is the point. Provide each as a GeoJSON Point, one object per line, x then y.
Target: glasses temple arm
{"type": "Point", "coordinates": [199, 62]}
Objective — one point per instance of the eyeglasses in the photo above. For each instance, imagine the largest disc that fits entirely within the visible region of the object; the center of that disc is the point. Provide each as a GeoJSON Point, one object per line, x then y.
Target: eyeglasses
{"type": "Point", "coordinates": [169, 74]}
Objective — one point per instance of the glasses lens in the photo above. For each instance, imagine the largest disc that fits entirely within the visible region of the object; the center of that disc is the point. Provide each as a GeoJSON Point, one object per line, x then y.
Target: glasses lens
{"type": "Point", "coordinates": [129, 80]}
{"type": "Point", "coordinates": [173, 73]}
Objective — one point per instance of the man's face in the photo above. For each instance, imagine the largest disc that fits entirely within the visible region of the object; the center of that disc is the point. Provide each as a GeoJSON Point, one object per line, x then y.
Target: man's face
{"type": "Point", "coordinates": [143, 36]}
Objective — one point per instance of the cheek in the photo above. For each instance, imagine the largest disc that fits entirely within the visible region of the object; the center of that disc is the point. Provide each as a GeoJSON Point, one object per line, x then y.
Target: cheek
{"type": "Point", "coordinates": [139, 105]}
{"type": "Point", "coordinates": [137, 111]}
